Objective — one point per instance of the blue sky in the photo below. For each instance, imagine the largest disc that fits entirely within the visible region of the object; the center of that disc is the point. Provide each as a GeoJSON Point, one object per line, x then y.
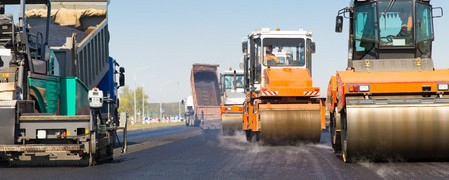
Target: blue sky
{"type": "Point", "coordinates": [158, 41]}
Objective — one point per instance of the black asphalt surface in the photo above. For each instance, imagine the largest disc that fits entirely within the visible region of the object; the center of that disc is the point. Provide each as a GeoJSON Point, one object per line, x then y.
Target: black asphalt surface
{"type": "Point", "coordinates": [187, 153]}
{"type": "Point", "coordinates": [140, 135]}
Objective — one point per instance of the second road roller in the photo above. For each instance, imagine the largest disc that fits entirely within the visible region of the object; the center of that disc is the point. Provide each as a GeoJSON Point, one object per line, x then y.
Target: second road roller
{"type": "Point", "coordinates": [281, 105]}
{"type": "Point", "coordinates": [232, 98]}
{"type": "Point", "coordinates": [390, 103]}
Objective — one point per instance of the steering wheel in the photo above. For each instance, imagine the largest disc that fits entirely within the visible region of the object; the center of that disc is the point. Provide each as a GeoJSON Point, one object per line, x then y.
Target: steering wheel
{"type": "Point", "coordinates": [389, 38]}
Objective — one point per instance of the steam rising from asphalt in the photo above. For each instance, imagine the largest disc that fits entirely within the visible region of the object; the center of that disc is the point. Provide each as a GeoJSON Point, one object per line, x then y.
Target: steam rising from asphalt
{"type": "Point", "coordinates": [394, 169]}
{"type": "Point", "coordinates": [383, 170]}
{"type": "Point", "coordinates": [322, 146]}
{"type": "Point", "coordinates": [390, 169]}
{"type": "Point", "coordinates": [239, 142]}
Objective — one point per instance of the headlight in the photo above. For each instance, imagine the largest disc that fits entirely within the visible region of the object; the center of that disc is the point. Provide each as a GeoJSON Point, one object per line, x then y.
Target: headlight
{"type": "Point", "coordinates": [358, 88]}
{"type": "Point", "coordinates": [443, 87]}
{"type": "Point", "coordinates": [41, 134]}
{"type": "Point", "coordinates": [364, 88]}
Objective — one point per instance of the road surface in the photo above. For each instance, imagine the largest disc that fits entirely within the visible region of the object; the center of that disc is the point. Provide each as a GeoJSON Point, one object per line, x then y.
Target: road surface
{"type": "Point", "coordinates": [188, 153]}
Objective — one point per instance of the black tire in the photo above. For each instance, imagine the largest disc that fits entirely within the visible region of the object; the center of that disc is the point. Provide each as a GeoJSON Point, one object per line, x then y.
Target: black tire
{"type": "Point", "coordinates": [335, 136]}
{"type": "Point", "coordinates": [344, 139]}
{"type": "Point", "coordinates": [109, 154]}
{"type": "Point", "coordinates": [195, 122]}
{"type": "Point", "coordinates": [249, 135]}
{"type": "Point", "coordinates": [257, 136]}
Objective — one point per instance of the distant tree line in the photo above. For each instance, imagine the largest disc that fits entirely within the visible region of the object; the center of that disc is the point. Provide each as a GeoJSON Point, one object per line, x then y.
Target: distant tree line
{"type": "Point", "coordinates": [126, 95]}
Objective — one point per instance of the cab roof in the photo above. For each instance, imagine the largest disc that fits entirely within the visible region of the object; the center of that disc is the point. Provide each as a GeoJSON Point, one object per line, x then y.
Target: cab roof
{"type": "Point", "coordinates": [277, 32]}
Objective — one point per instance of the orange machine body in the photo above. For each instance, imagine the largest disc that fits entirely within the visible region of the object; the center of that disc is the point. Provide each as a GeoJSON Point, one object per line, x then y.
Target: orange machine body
{"type": "Point", "coordinates": [384, 83]}
{"type": "Point", "coordinates": [284, 88]}
{"type": "Point", "coordinates": [281, 105]}
{"type": "Point", "coordinates": [391, 102]}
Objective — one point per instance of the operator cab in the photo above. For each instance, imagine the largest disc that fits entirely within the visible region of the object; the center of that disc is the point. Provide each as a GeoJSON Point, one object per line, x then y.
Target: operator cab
{"type": "Point", "coordinates": [265, 49]}
{"type": "Point", "coordinates": [233, 83]}
{"type": "Point", "coordinates": [389, 29]}
{"type": "Point", "coordinates": [288, 52]}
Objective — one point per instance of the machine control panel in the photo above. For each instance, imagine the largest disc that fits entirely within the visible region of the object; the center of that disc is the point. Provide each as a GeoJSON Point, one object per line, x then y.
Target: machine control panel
{"type": "Point", "coordinates": [95, 98]}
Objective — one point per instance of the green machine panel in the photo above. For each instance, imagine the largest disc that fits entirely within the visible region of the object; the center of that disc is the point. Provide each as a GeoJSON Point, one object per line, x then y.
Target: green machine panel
{"type": "Point", "coordinates": [74, 99]}
{"type": "Point", "coordinates": [47, 93]}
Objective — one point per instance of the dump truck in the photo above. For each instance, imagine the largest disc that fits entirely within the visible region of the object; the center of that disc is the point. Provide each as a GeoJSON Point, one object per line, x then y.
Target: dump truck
{"type": "Point", "coordinates": [390, 103]}
{"type": "Point", "coordinates": [206, 95]}
{"type": "Point", "coordinates": [281, 105]}
{"type": "Point", "coordinates": [58, 89]}
{"type": "Point", "coordinates": [232, 98]}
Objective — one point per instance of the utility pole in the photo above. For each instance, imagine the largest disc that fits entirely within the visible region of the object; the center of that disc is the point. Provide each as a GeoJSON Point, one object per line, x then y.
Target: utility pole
{"type": "Point", "coordinates": [160, 101]}
{"type": "Point", "coordinates": [179, 102]}
{"type": "Point", "coordinates": [135, 110]}
{"type": "Point", "coordinates": [135, 88]}
{"type": "Point", "coordinates": [143, 95]}
{"type": "Point", "coordinates": [143, 102]}
{"type": "Point", "coordinates": [160, 104]}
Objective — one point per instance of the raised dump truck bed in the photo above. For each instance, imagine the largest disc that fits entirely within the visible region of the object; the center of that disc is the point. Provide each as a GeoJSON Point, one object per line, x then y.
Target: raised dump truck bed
{"type": "Point", "coordinates": [206, 94]}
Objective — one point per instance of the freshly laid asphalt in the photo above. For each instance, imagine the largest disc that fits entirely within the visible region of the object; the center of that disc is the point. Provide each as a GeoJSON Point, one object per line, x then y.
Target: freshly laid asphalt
{"type": "Point", "coordinates": [188, 153]}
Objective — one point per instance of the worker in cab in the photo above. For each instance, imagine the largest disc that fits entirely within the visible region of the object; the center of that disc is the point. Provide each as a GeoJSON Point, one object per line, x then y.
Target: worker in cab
{"type": "Point", "coordinates": [406, 28]}
{"type": "Point", "coordinates": [270, 58]}
{"type": "Point", "coordinates": [404, 33]}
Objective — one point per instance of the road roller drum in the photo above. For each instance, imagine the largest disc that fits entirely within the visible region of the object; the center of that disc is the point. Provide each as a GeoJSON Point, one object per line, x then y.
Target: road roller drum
{"type": "Point", "coordinates": [399, 132]}
{"type": "Point", "coordinates": [290, 126]}
{"type": "Point", "coordinates": [231, 123]}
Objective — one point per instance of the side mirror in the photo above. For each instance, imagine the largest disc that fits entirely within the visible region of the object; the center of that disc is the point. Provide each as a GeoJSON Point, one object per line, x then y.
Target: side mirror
{"type": "Point", "coordinates": [121, 80]}
{"type": "Point", "coordinates": [440, 14]}
{"type": "Point", "coordinates": [339, 24]}
{"type": "Point", "coordinates": [312, 47]}
{"type": "Point", "coordinates": [122, 70]}
{"type": "Point", "coordinates": [245, 46]}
